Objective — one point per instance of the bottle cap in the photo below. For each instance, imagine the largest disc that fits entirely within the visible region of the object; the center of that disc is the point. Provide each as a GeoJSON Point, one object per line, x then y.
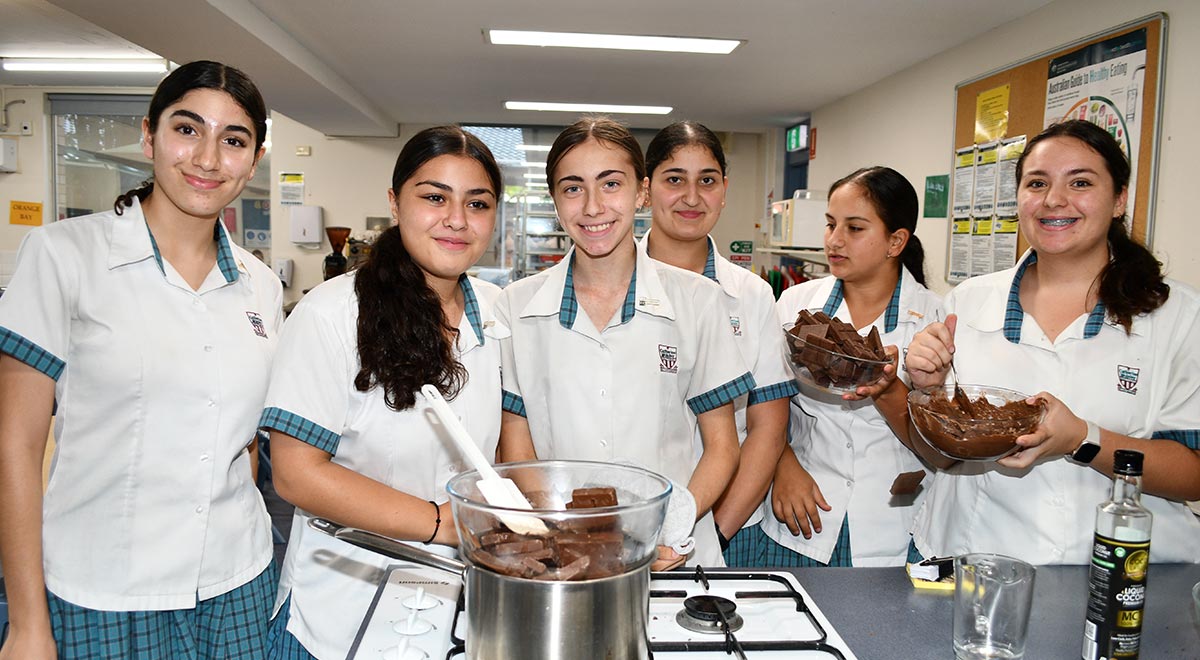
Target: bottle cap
{"type": "Point", "coordinates": [1128, 462]}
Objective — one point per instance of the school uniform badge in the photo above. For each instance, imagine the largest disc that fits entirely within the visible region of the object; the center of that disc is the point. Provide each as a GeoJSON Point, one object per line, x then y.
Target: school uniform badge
{"type": "Point", "coordinates": [1127, 379]}
{"type": "Point", "coordinates": [736, 323]}
{"type": "Point", "coordinates": [668, 359]}
{"type": "Point", "coordinates": [257, 324]}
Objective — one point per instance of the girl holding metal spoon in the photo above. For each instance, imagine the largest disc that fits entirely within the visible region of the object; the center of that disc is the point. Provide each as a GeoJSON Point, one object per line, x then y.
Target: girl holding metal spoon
{"type": "Point", "coordinates": [1086, 320]}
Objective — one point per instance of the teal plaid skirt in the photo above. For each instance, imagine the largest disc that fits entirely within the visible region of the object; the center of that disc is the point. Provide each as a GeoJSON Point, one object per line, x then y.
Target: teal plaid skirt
{"type": "Point", "coordinates": [281, 644]}
{"type": "Point", "coordinates": [232, 626]}
{"type": "Point", "coordinates": [752, 548]}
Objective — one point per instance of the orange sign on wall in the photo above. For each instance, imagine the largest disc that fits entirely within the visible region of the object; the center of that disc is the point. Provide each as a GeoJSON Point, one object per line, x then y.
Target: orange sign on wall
{"type": "Point", "coordinates": [25, 213]}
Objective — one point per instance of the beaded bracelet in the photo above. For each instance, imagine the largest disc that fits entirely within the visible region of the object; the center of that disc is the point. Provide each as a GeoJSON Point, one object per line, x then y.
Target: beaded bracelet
{"type": "Point", "coordinates": [437, 524]}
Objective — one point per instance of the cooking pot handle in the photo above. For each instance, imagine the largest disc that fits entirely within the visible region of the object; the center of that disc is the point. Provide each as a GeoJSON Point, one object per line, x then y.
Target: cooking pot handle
{"type": "Point", "coordinates": [387, 547]}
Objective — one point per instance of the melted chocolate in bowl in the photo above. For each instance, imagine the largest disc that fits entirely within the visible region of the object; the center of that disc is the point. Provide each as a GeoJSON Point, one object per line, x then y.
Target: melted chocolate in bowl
{"type": "Point", "coordinates": [602, 520]}
{"type": "Point", "coordinates": [979, 423]}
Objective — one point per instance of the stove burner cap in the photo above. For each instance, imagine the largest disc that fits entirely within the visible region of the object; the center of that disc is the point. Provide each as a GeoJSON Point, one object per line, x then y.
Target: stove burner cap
{"type": "Point", "coordinates": [709, 608]}
{"type": "Point", "coordinates": [702, 614]}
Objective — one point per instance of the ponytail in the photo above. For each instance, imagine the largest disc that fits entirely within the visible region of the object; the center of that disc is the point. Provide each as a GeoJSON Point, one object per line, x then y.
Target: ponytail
{"type": "Point", "coordinates": [1132, 283]}
{"type": "Point", "coordinates": [141, 193]}
{"type": "Point", "coordinates": [404, 341]}
{"type": "Point", "coordinates": [913, 258]}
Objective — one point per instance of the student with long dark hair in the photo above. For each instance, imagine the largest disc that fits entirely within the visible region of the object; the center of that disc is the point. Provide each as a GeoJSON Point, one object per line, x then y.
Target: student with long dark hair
{"type": "Point", "coordinates": [350, 437]}
{"type": "Point", "coordinates": [1087, 321]}
{"type": "Point", "coordinates": [685, 176]}
{"type": "Point", "coordinates": [834, 502]}
{"type": "Point", "coordinates": [154, 332]}
{"type": "Point", "coordinates": [615, 356]}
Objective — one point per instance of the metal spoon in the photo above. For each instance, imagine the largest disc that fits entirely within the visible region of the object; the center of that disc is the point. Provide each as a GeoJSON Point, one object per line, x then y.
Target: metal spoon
{"type": "Point", "coordinates": [960, 396]}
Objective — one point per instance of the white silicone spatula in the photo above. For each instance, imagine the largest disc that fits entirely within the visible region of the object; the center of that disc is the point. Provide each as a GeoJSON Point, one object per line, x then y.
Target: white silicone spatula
{"type": "Point", "coordinates": [496, 490]}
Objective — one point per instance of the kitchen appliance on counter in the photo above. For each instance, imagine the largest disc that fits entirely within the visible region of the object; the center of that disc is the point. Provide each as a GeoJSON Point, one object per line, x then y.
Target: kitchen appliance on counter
{"type": "Point", "coordinates": [418, 614]}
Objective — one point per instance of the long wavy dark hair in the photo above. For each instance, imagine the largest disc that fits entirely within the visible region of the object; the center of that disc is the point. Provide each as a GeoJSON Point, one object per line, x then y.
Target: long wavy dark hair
{"type": "Point", "coordinates": [683, 134]}
{"type": "Point", "coordinates": [1132, 283]}
{"type": "Point", "coordinates": [404, 340]}
{"type": "Point", "coordinates": [895, 200]}
{"type": "Point", "coordinates": [201, 74]}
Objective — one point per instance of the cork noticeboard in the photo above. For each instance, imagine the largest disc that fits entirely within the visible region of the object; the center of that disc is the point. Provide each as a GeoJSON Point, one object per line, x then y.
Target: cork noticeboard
{"type": "Point", "coordinates": [1027, 88]}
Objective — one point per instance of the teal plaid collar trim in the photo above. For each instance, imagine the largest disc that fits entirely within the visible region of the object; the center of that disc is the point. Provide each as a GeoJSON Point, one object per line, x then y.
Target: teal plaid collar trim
{"type": "Point", "coordinates": [710, 264]}
{"type": "Point", "coordinates": [891, 316]}
{"type": "Point", "coordinates": [834, 301]}
{"type": "Point", "coordinates": [471, 306]}
{"type": "Point", "coordinates": [1014, 314]}
{"type": "Point", "coordinates": [225, 260]}
{"type": "Point", "coordinates": [568, 309]}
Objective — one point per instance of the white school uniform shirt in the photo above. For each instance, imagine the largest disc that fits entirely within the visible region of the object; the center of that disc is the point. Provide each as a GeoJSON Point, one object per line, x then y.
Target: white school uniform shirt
{"type": "Point", "coordinates": [632, 392]}
{"type": "Point", "coordinates": [758, 333]}
{"type": "Point", "coordinates": [1146, 384]}
{"type": "Point", "coordinates": [848, 447]}
{"type": "Point", "coordinates": [150, 504]}
{"type": "Point", "coordinates": [312, 397]}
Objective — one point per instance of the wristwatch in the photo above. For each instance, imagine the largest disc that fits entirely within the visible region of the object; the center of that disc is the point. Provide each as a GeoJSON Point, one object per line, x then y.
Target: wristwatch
{"type": "Point", "coordinates": [1089, 447]}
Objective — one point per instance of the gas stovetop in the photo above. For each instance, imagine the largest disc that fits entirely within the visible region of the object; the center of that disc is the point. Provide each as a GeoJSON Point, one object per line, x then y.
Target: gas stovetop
{"type": "Point", "coordinates": [721, 613]}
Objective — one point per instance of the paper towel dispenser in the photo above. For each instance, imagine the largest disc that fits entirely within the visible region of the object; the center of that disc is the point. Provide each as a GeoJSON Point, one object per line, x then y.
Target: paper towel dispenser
{"type": "Point", "coordinates": [308, 227]}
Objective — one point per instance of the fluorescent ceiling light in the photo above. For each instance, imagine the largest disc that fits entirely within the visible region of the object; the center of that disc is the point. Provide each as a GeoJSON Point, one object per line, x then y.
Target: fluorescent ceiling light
{"type": "Point", "coordinates": [535, 184]}
{"type": "Point", "coordinates": [613, 41]}
{"type": "Point", "coordinates": [534, 175]}
{"type": "Point", "coordinates": [589, 107]}
{"type": "Point", "coordinates": [533, 147]}
{"type": "Point", "coordinates": [86, 65]}
{"type": "Point", "coordinates": [532, 164]}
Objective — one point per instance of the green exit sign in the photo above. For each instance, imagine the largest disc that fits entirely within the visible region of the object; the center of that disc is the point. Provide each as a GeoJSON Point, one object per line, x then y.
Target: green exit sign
{"type": "Point", "coordinates": [797, 137]}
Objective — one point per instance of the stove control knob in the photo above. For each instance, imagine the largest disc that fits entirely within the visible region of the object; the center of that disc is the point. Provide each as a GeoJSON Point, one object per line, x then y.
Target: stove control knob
{"type": "Point", "coordinates": [420, 600]}
{"type": "Point", "coordinates": [413, 625]}
{"type": "Point", "coordinates": [403, 652]}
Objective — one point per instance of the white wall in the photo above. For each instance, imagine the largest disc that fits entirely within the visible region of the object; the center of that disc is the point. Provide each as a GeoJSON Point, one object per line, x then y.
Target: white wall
{"type": "Point", "coordinates": [746, 202]}
{"type": "Point", "coordinates": [347, 177]}
{"type": "Point", "coordinates": [30, 183]}
{"type": "Point", "coordinates": [907, 121]}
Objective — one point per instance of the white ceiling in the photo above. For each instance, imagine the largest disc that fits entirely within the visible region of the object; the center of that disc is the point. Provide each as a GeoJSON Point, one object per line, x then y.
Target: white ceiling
{"type": "Point", "coordinates": [360, 67]}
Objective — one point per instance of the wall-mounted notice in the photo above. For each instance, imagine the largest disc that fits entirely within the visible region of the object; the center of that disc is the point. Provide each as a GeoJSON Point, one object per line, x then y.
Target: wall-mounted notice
{"type": "Point", "coordinates": [1101, 83]}
{"type": "Point", "coordinates": [960, 250]}
{"type": "Point", "coordinates": [1004, 243]}
{"type": "Point", "coordinates": [291, 187]}
{"type": "Point", "coordinates": [983, 206]}
{"type": "Point", "coordinates": [959, 267]}
{"type": "Point", "coordinates": [964, 181]}
{"type": "Point", "coordinates": [937, 199]}
{"type": "Point", "coordinates": [991, 114]}
{"type": "Point", "coordinates": [983, 202]}
{"type": "Point", "coordinates": [25, 213]}
{"type": "Point", "coordinates": [1006, 176]}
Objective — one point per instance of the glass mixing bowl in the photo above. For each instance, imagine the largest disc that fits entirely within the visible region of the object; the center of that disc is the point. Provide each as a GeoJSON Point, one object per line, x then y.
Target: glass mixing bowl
{"type": "Point", "coordinates": [971, 437]}
{"type": "Point", "coordinates": [579, 543]}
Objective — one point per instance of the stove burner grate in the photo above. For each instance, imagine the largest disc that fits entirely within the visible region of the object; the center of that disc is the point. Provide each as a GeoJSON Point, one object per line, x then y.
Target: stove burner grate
{"type": "Point", "coordinates": [729, 644]}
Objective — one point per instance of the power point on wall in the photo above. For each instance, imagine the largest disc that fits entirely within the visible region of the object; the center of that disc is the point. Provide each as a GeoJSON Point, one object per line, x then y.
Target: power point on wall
{"type": "Point", "coordinates": [26, 128]}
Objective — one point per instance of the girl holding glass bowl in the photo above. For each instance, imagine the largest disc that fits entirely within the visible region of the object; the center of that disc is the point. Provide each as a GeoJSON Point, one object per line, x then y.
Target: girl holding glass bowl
{"type": "Point", "coordinates": [1086, 321]}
